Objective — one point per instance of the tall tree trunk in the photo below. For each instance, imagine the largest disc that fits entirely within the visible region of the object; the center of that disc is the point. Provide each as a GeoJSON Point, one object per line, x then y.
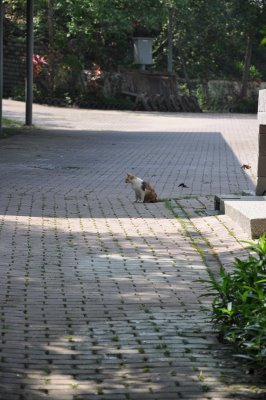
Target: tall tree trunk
{"type": "Point", "coordinates": [50, 22]}
{"type": "Point", "coordinates": [170, 42]}
{"type": "Point", "coordinates": [244, 86]}
{"type": "Point", "coordinates": [51, 50]}
{"type": "Point", "coordinates": [188, 81]}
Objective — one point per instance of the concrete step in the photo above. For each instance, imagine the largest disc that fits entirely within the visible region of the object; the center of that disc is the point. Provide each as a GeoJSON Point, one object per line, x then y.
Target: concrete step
{"type": "Point", "coordinates": [248, 211]}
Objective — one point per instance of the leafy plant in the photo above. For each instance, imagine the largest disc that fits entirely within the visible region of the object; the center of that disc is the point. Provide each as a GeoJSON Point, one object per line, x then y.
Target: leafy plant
{"type": "Point", "coordinates": [239, 303]}
{"type": "Point", "coordinates": [38, 63]}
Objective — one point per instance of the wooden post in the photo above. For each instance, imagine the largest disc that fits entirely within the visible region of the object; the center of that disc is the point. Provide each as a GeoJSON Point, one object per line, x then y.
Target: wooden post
{"type": "Point", "coordinates": [261, 176]}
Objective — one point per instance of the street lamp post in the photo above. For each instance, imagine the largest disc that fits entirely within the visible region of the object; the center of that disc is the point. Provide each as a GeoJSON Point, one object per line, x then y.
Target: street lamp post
{"type": "Point", "coordinates": [29, 72]}
{"type": "Point", "coordinates": [1, 60]}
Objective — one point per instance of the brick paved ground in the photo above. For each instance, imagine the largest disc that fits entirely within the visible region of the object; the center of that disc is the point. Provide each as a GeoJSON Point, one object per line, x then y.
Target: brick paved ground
{"type": "Point", "coordinates": [98, 296]}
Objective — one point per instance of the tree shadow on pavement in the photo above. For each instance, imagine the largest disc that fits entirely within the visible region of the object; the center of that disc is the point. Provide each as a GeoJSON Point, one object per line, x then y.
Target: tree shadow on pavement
{"type": "Point", "coordinates": [80, 163]}
{"type": "Point", "coordinates": [107, 308]}
{"type": "Point", "coordinates": [98, 294]}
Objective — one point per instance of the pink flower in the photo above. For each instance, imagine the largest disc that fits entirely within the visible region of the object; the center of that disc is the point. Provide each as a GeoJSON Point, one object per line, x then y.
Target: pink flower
{"type": "Point", "coordinates": [38, 63]}
{"type": "Point", "coordinates": [36, 59]}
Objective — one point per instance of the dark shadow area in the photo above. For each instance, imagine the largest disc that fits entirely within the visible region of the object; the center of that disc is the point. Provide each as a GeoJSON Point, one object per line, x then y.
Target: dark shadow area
{"type": "Point", "coordinates": [96, 163]}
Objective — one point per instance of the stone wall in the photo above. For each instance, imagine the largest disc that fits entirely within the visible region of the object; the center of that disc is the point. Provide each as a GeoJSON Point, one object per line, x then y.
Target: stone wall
{"type": "Point", "coordinates": [261, 175]}
{"type": "Point", "coordinates": [222, 89]}
{"type": "Point", "coordinates": [150, 83]}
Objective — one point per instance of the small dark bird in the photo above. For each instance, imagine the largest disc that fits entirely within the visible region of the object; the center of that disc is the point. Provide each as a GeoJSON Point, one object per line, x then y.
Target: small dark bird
{"type": "Point", "coordinates": [183, 185]}
{"type": "Point", "coordinates": [245, 166]}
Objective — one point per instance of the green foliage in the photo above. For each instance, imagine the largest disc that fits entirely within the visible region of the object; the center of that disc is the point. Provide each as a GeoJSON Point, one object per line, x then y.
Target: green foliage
{"type": "Point", "coordinates": [263, 32]}
{"type": "Point", "coordinates": [243, 105]}
{"type": "Point", "coordinates": [239, 304]}
{"type": "Point", "coordinates": [75, 34]}
{"type": "Point", "coordinates": [9, 123]}
{"type": "Point", "coordinates": [253, 71]}
{"type": "Point", "coordinates": [205, 34]}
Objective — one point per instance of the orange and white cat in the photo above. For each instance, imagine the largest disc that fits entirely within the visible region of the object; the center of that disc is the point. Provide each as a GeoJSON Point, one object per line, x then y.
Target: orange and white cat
{"type": "Point", "coordinates": [143, 190]}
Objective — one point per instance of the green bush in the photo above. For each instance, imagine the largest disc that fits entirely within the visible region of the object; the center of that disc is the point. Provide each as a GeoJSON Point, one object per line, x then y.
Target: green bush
{"type": "Point", "coordinates": [243, 106]}
{"type": "Point", "coordinates": [239, 304]}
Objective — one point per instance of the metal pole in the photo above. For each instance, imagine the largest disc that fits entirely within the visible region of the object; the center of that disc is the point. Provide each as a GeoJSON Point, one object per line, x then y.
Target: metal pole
{"type": "Point", "coordinates": [29, 67]}
{"type": "Point", "coordinates": [1, 61]}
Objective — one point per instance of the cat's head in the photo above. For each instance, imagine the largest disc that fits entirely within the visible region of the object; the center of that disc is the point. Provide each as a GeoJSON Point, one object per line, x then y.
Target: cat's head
{"type": "Point", "coordinates": [129, 178]}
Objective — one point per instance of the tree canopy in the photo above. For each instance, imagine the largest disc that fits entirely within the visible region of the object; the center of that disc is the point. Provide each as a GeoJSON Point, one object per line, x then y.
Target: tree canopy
{"type": "Point", "coordinates": [206, 33]}
{"type": "Point", "coordinates": [210, 38]}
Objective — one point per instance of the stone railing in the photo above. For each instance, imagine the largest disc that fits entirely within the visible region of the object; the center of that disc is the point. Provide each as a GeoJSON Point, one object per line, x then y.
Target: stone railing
{"type": "Point", "coordinates": [261, 176]}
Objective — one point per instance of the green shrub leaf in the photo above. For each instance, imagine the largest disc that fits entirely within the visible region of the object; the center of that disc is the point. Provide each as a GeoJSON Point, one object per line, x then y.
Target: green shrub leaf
{"type": "Point", "coordinates": [239, 303]}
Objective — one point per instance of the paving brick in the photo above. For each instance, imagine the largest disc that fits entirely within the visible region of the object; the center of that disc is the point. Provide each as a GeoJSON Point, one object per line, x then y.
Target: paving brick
{"type": "Point", "coordinates": [98, 294]}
